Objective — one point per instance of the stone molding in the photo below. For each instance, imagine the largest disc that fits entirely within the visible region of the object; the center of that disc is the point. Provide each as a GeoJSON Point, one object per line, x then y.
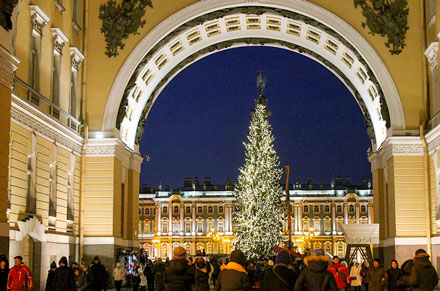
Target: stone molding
{"type": "Point", "coordinates": [8, 65]}
{"type": "Point", "coordinates": [431, 54]}
{"type": "Point", "coordinates": [356, 234]}
{"type": "Point", "coordinates": [26, 115]}
{"type": "Point", "coordinates": [433, 139]}
{"type": "Point", "coordinates": [76, 57]}
{"type": "Point", "coordinates": [59, 40]}
{"type": "Point", "coordinates": [109, 147]}
{"type": "Point", "coordinates": [31, 226]}
{"type": "Point", "coordinates": [135, 162]}
{"type": "Point", "coordinates": [396, 146]}
{"type": "Point", "coordinates": [39, 19]}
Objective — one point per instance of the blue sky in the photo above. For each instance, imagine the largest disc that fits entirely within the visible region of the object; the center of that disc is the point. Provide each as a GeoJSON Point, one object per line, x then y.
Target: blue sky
{"type": "Point", "coordinates": [197, 125]}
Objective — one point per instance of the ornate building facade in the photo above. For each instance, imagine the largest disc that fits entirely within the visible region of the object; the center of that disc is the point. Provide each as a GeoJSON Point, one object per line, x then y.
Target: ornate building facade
{"type": "Point", "coordinates": [191, 216]}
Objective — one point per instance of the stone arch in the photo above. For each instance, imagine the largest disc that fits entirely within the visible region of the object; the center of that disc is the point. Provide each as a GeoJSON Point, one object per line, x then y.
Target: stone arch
{"type": "Point", "coordinates": [209, 26]}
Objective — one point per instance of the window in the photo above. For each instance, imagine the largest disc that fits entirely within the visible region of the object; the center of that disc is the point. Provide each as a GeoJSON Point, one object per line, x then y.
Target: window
{"type": "Point", "coordinates": [316, 208]}
{"type": "Point", "coordinates": [140, 211]}
{"type": "Point", "coordinates": [316, 225]}
{"type": "Point", "coordinates": [327, 226]}
{"type": "Point", "coordinates": [210, 209]}
{"type": "Point", "coordinates": [164, 227]}
{"type": "Point", "coordinates": [340, 252]}
{"type": "Point", "coordinates": [317, 245]}
{"type": "Point", "coordinates": [209, 248]}
{"type": "Point", "coordinates": [306, 225]}
{"type": "Point", "coordinates": [220, 226]}
{"type": "Point", "coordinates": [188, 248]}
{"type": "Point", "coordinates": [147, 227]}
{"type": "Point", "coordinates": [199, 209]}
{"type": "Point", "coordinates": [175, 227]}
{"type": "Point", "coordinates": [328, 247]}
{"type": "Point", "coordinates": [165, 210]}
{"type": "Point", "coordinates": [188, 209]}
{"type": "Point", "coordinates": [327, 208]}
{"type": "Point", "coordinates": [139, 228]}
{"type": "Point", "coordinates": [187, 226]}
{"type": "Point", "coordinates": [73, 95]}
{"type": "Point", "coordinates": [75, 11]}
{"type": "Point", "coordinates": [211, 225]}
{"type": "Point", "coordinates": [339, 208]}
{"type": "Point", "coordinates": [70, 189]}
{"type": "Point", "coordinates": [220, 249]}
{"type": "Point", "coordinates": [147, 211]}
{"type": "Point", "coordinates": [199, 226]}
{"type": "Point", "coordinates": [176, 209]}
{"type": "Point", "coordinates": [56, 72]}
{"type": "Point", "coordinates": [306, 208]}
{"type": "Point", "coordinates": [339, 222]}
{"type": "Point", "coordinates": [220, 209]}
{"type": "Point", "coordinates": [31, 206]}
{"type": "Point", "coordinates": [53, 184]}
{"type": "Point", "coordinates": [363, 208]}
{"type": "Point", "coordinates": [154, 211]}
{"type": "Point", "coordinates": [351, 208]}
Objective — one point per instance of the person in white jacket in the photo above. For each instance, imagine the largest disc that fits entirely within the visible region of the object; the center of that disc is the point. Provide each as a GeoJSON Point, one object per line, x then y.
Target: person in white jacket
{"type": "Point", "coordinates": [355, 276]}
{"type": "Point", "coordinates": [118, 275]}
{"type": "Point", "coordinates": [144, 283]}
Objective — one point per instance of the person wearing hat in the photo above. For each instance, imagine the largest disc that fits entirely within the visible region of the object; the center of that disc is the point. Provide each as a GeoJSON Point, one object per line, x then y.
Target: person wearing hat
{"type": "Point", "coordinates": [233, 275]}
{"type": "Point", "coordinates": [49, 280]}
{"type": "Point", "coordinates": [355, 275]}
{"type": "Point", "coordinates": [118, 275]}
{"type": "Point", "coordinates": [63, 277]}
{"type": "Point", "coordinates": [315, 275]}
{"type": "Point", "coordinates": [179, 275]}
{"type": "Point", "coordinates": [4, 272]}
{"type": "Point", "coordinates": [20, 278]}
{"type": "Point", "coordinates": [282, 277]}
{"type": "Point", "coordinates": [340, 272]}
{"type": "Point", "coordinates": [377, 276]}
{"type": "Point", "coordinates": [423, 275]}
{"type": "Point", "coordinates": [100, 275]}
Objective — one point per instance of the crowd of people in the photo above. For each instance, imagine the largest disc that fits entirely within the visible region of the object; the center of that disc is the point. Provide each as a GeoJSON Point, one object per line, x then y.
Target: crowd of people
{"type": "Point", "coordinates": [317, 272]}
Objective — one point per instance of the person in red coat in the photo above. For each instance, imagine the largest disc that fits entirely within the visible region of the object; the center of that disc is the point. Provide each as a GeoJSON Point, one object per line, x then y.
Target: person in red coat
{"type": "Point", "coordinates": [340, 272]}
{"type": "Point", "coordinates": [20, 278]}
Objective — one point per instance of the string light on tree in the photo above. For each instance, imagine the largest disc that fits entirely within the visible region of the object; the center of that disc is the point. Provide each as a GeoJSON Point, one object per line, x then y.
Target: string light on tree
{"type": "Point", "coordinates": [257, 216]}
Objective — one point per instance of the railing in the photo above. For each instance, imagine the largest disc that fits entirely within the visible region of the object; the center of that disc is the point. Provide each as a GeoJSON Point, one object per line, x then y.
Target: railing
{"type": "Point", "coordinates": [35, 98]}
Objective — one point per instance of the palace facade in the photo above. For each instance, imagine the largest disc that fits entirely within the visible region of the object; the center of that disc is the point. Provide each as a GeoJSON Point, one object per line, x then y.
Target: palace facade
{"type": "Point", "coordinates": [198, 216]}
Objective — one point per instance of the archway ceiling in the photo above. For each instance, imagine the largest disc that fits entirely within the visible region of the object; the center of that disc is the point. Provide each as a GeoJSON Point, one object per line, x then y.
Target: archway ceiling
{"type": "Point", "coordinates": [250, 26]}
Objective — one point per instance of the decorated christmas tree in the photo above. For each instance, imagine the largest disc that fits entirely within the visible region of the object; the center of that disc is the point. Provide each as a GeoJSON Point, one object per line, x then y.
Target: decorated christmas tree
{"type": "Point", "coordinates": [257, 217]}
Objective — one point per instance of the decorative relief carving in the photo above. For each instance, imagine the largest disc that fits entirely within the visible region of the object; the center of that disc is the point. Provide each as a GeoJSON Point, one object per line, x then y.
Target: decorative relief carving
{"type": "Point", "coordinates": [59, 39]}
{"type": "Point", "coordinates": [24, 115]}
{"type": "Point", "coordinates": [39, 18]}
{"type": "Point", "coordinates": [109, 147]}
{"type": "Point", "coordinates": [431, 55]}
{"type": "Point", "coordinates": [76, 57]}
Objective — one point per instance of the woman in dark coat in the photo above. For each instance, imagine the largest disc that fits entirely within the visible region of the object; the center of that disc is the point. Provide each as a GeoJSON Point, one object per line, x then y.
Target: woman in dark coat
{"type": "Point", "coordinates": [49, 281]}
{"type": "Point", "coordinates": [233, 276]}
{"type": "Point", "coordinates": [403, 282]}
{"type": "Point", "coordinates": [364, 273]}
{"type": "Point", "coordinates": [63, 277]}
{"type": "Point", "coordinates": [394, 274]}
{"type": "Point", "coordinates": [159, 275]}
{"type": "Point", "coordinates": [282, 277]}
{"type": "Point", "coordinates": [315, 276]}
{"type": "Point", "coordinates": [201, 275]}
{"type": "Point", "coordinates": [4, 271]}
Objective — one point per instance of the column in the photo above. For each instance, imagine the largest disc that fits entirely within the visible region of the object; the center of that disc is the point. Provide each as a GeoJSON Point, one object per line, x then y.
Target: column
{"type": "Point", "coordinates": [333, 217]}
{"type": "Point", "coordinates": [345, 213]}
{"type": "Point", "coordinates": [170, 218]}
{"type": "Point", "coordinates": [158, 219]}
{"type": "Point", "coordinates": [369, 213]}
{"type": "Point", "coordinates": [182, 222]}
{"type": "Point", "coordinates": [300, 224]}
{"type": "Point", "coordinates": [357, 212]}
{"type": "Point", "coordinates": [8, 65]}
{"type": "Point", "coordinates": [193, 206]}
{"type": "Point", "coordinates": [230, 218]}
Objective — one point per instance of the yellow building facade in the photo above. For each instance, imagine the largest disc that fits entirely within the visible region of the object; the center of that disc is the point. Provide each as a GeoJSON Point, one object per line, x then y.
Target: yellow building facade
{"type": "Point", "coordinates": [72, 116]}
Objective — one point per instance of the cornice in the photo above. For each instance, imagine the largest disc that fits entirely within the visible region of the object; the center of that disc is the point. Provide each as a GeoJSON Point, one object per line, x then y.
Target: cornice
{"type": "Point", "coordinates": [39, 18]}
{"type": "Point", "coordinates": [109, 147]}
{"type": "Point", "coordinates": [433, 139]}
{"type": "Point", "coordinates": [8, 65]}
{"type": "Point", "coordinates": [76, 57]}
{"type": "Point", "coordinates": [26, 115]}
{"type": "Point", "coordinates": [135, 162]}
{"type": "Point", "coordinates": [431, 54]}
{"type": "Point", "coordinates": [59, 39]}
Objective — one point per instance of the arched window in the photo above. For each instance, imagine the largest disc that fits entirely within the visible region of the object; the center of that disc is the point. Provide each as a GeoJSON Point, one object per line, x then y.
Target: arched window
{"type": "Point", "coordinates": [147, 211]}
{"type": "Point", "coordinates": [176, 209]}
{"type": "Point", "coordinates": [306, 224]}
{"type": "Point", "coordinates": [328, 247]}
{"type": "Point", "coordinates": [306, 208]}
{"type": "Point", "coordinates": [327, 225]}
{"type": "Point", "coordinates": [165, 210]}
{"type": "Point", "coordinates": [210, 225]}
{"type": "Point", "coordinates": [199, 225]}
{"type": "Point", "coordinates": [363, 208]}
{"type": "Point", "coordinates": [351, 208]}
{"type": "Point", "coordinates": [188, 209]}
{"type": "Point", "coordinates": [339, 208]}
{"type": "Point", "coordinates": [220, 209]}
{"type": "Point", "coordinates": [188, 248]}
{"type": "Point", "coordinates": [176, 225]}
{"type": "Point", "coordinates": [316, 208]}
{"type": "Point", "coordinates": [164, 227]}
{"type": "Point", "coordinates": [210, 209]}
{"type": "Point", "coordinates": [327, 208]}
{"type": "Point", "coordinates": [199, 209]}
{"type": "Point", "coordinates": [147, 227]}
{"type": "Point", "coordinates": [316, 225]}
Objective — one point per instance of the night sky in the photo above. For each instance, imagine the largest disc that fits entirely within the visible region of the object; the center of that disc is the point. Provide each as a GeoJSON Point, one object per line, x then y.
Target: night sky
{"type": "Point", "coordinates": [197, 125]}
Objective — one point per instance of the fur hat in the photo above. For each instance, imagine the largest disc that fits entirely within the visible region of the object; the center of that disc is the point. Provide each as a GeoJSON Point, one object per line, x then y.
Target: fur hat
{"type": "Point", "coordinates": [283, 257]}
{"type": "Point", "coordinates": [179, 253]}
{"type": "Point", "coordinates": [53, 265]}
{"type": "Point", "coordinates": [237, 256]}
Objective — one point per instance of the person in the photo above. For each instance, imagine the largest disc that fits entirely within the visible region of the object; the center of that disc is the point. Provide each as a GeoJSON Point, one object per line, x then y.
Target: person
{"type": "Point", "coordinates": [77, 278]}
{"type": "Point", "coordinates": [269, 268]}
{"type": "Point", "coordinates": [233, 275]}
{"type": "Point", "coordinates": [118, 275]}
{"type": "Point", "coordinates": [355, 276]}
{"type": "Point", "coordinates": [143, 283]}
{"type": "Point", "coordinates": [86, 281]}
{"type": "Point", "coordinates": [4, 271]}
{"type": "Point", "coordinates": [100, 275]}
{"type": "Point", "coordinates": [201, 275]}
{"type": "Point", "coordinates": [423, 275]}
{"type": "Point", "coordinates": [377, 276]}
{"type": "Point", "coordinates": [136, 278]}
{"type": "Point", "coordinates": [216, 271]}
{"type": "Point", "coordinates": [394, 274]}
{"type": "Point", "coordinates": [63, 277]}
{"type": "Point", "coordinates": [159, 275]}
{"type": "Point", "coordinates": [315, 275]}
{"type": "Point", "coordinates": [282, 277]}
{"type": "Point", "coordinates": [179, 275]}
{"type": "Point", "coordinates": [251, 273]}
{"type": "Point", "coordinates": [20, 278]}
{"type": "Point", "coordinates": [340, 272]}
{"type": "Point", "coordinates": [364, 273]}
{"type": "Point", "coordinates": [148, 271]}
{"type": "Point", "coordinates": [403, 282]}
{"type": "Point", "coordinates": [49, 281]}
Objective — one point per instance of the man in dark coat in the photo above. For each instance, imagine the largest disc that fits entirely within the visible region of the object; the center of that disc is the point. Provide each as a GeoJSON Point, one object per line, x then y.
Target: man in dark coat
{"type": "Point", "coordinates": [49, 281]}
{"type": "Point", "coordinates": [148, 272]}
{"type": "Point", "coordinates": [4, 271]}
{"type": "Point", "coordinates": [216, 272]}
{"type": "Point", "coordinates": [377, 276]}
{"type": "Point", "coordinates": [63, 277]}
{"type": "Point", "coordinates": [394, 275]}
{"type": "Point", "coordinates": [315, 275]}
{"type": "Point", "coordinates": [423, 275]}
{"type": "Point", "coordinates": [282, 277]}
{"type": "Point", "coordinates": [233, 275]}
{"type": "Point", "coordinates": [179, 275]}
{"type": "Point", "coordinates": [159, 275]}
{"type": "Point", "coordinates": [99, 274]}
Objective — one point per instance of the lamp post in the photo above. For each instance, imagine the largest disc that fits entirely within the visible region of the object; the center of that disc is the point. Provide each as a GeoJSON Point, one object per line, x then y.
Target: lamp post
{"type": "Point", "coordinates": [289, 219]}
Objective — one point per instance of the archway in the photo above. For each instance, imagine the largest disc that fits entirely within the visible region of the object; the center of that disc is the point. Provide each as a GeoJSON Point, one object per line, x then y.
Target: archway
{"type": "Point", "coordinates": [206, 27]}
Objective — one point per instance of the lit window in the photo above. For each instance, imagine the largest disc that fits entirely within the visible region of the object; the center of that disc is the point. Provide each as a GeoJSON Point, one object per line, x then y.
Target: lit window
{"type": "Point", "coordinates": [327, 226]}
{"type": "Point", "coordinates": [165, 210]}
{"type": "Point", "coordinates": [176, 209]}
{"type": "Point", "coordinates": [351, 208]}
{"type": "Point", "coordinates": [146, 227]}
{"type": "Point", "coordinates": [220, 209]}
{"type": "Point", "coordinates": [165, 227]}
{"type": "Point", "coordinates": [199, 226]}
{"type": "Point", "coordinates": [147, 211]}
{"type": "Point", "coordinates": [306, 208]}
{"type": "Point", "coordinates": [306, 225]}
{"type": "Point", "coordinates": [199, 209]}
{"type": "Point", "coordinates": [188, 209]}
{"type": "Point", "coordinates": [317, 226]}
{"type": "Point", "coordinates": [316, 208]}
{"type": "Point", "coordinates": [210, 225]}
{"type": "Point", "coordinates": [327, 208]}
{"type": "Point", "coordinates": [363, 208]}
{"type": "Point", "coordinates": [339, 208]}
{"type": "Point", "coordinates": [328, 248]}
{"type": "Point", "coordinates": [187, 226]}
{"type": "Point", "coordinates": [210, 209]}
{"type": "Point", "coordinates": [220, 226]}
{"type": "Point", "coordinates": [175, 227]}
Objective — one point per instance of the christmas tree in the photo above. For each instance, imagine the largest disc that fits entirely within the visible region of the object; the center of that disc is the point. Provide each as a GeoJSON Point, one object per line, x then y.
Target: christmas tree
{"type": "Point", "coordinates": [257, 216]}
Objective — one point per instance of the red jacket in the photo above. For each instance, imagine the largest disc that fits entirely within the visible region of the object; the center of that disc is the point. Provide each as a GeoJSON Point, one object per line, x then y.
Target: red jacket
{"type": "Point", "coordinates": [20, 277]}
{"type": "Point", "coordinates": [334, 268]}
